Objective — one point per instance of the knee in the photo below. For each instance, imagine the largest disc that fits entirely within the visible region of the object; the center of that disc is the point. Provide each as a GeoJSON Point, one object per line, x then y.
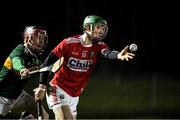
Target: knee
{"type": "Point", "coordinates": [58, 114]}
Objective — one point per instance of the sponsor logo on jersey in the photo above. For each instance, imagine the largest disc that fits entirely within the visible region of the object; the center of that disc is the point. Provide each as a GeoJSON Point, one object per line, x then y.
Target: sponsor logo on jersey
{"type": "Point", "coordinates": [79, 65]}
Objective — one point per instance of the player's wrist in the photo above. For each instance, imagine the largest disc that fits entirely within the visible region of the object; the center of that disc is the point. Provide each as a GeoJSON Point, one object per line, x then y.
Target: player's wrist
{"type": "Point", "coordinates": [119, 56]}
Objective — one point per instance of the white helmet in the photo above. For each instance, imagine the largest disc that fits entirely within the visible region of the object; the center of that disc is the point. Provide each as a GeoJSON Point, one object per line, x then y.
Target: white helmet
{"type": "Point", "coordinates": [35, 40]}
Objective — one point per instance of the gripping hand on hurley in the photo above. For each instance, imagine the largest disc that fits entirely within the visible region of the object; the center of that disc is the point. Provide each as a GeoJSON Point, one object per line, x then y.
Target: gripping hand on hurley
{"type": "Point", "coordinates": [40, 92]}
{"type": "Point", "coordinates": [24, 73]}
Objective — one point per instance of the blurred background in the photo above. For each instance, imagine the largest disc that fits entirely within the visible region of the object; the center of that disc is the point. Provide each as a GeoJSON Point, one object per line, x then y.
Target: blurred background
{"type": "Point", "coordinates": [146, 87]}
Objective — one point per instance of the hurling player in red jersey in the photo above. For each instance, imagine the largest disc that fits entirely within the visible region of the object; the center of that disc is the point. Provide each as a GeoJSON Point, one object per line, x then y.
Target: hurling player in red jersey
{"type": "Point", "coordinates": [80, 53]}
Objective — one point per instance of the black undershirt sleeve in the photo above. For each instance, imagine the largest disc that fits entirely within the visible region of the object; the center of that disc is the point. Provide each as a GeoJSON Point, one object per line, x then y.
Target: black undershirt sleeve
{"type": "Point", "coordinates": [110, 54]}
{"type": "Point", "coordinates": [52, 58]}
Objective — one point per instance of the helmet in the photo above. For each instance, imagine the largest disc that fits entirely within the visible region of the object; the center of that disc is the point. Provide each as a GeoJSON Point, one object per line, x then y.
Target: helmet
{"type": "Point", "coordinates": [92, 21]}
{"type": "Point", "coordinates": [35, 39]}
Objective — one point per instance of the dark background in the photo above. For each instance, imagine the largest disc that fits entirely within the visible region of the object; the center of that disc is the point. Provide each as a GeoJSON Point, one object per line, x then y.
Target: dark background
{"type": "Point", "coordinates": [152, 25]}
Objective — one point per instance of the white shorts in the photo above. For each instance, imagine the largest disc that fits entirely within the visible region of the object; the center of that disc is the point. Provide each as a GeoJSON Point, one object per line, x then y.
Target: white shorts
{"type": "Point", "coordinates": [57, 97]}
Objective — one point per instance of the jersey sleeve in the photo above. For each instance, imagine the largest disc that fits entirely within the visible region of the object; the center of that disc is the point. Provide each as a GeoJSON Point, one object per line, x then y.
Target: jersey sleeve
{"type": "Point", "coordinates": [107, 53]}
{"type": "Point", "coordinates": [16, 58]}
{"type": "Point", "coordinates": [103, 46]}
{"type": "Point", "coordinates": [60, 49]}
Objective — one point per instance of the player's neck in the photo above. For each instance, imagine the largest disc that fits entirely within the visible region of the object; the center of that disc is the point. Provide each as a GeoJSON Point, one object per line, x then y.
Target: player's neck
{"type": "Point", "coordinates": [86, 40]}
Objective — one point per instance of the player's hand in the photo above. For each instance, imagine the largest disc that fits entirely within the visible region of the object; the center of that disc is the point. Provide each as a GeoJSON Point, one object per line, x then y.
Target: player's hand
{"type": "Point", "coordinates": [125, 55]}
{"type": "Point", "coordinates": [24, 73]}
{"type": "Point", "coordinates": [40, 92]}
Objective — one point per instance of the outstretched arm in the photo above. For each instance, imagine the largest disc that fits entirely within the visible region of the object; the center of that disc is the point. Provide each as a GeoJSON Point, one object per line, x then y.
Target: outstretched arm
{"type": "Point", "coordinates": [123, 55]}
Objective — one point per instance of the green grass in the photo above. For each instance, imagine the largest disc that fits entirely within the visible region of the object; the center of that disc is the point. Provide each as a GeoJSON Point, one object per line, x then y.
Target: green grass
{"type": "Point", "coordinates": [130, 96]}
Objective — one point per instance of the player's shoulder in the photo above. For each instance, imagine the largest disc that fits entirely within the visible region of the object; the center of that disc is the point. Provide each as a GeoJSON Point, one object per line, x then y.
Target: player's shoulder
{"type": "Point", "coordinates": [18, 50]}
{"type": "Point", "coordinates": [19, 47]}
{"type": "Point", "coordinates": [73, 39]}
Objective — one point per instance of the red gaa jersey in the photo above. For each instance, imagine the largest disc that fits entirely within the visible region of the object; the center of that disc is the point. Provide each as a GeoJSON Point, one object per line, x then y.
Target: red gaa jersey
{"type": "Point", "coordinates": [79, 60]}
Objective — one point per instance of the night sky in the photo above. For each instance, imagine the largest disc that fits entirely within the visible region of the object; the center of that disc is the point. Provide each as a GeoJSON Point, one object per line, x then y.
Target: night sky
{"type": "Point", "coordinates": [149, 24]}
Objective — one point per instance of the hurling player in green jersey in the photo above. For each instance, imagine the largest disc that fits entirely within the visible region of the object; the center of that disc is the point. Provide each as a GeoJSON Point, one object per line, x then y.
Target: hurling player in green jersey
{"type": "Point", "coordinates": [14, 74]}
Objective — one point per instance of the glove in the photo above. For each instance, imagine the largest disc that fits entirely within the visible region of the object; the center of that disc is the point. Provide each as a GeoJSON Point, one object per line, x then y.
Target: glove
{"type": "Point", "coordinates": [24, 73]}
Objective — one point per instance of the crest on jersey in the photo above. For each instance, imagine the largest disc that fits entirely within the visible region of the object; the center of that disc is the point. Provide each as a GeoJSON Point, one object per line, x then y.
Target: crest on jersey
{"type": "Point", "coordinates": [84, 54]}
{"type": "Point", "coordinates": [91, 54]}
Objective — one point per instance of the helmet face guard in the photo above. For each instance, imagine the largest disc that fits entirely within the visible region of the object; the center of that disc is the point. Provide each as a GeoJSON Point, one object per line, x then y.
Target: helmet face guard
{"type": "Point", "coordinates": [92, 22]}
{"type": "Point", "coordinates": [35, 39]}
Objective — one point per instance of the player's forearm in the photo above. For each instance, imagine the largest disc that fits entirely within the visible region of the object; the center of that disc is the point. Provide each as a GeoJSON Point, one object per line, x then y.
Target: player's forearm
{"type": "Point", "coordinates": [44, 75]}
{"type": "Point", "coordinates": [110, 54]}
{"type": "Point", "coordinates": [49, 60]}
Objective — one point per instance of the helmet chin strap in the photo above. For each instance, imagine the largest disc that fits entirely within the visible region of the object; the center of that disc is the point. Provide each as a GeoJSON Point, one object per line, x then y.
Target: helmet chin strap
{"type": "Point", "coordinates": [95, 41]}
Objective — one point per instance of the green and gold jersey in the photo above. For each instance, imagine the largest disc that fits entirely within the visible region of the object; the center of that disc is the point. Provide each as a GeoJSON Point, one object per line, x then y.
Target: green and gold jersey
{"type": "Point", "coordinates": [11, 84]}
